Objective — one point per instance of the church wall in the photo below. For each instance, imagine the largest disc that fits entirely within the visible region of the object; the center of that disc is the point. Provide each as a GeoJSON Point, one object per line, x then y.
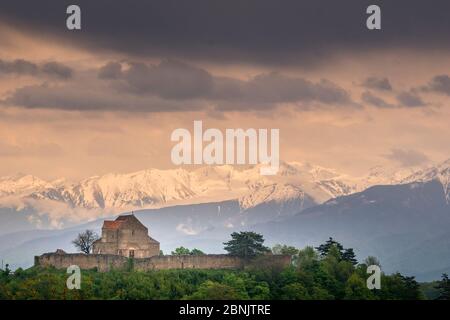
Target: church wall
{"type": "Point", "coordinates": [132, 235]}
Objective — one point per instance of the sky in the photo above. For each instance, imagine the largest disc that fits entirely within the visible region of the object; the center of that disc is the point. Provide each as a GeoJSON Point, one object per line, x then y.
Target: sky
{"type": "Point", "coordinates": [106, 98]}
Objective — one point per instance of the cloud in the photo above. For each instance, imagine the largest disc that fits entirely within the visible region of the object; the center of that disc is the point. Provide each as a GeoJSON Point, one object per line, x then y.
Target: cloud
{"type": "Point", "coordinates": [375, 101]}
{"type": "Point", "coordinates": [88, 97]}
{"type": "Point", "coordinates": [377, 83]}
{"type": "Point", "coordinates": [439, 84]}
{"type": "Point", "coordinates": [23, 67]}
{"type": "Point", "coordinates": [176, 80]}
{"type": "Point", "coordinates": [19, 66]}
{"type": "Point", "coordinates": [256, 31]}
{"type": "Point", "coordinates": [410, 99]}
{"type": "Point", "coordinates": [111, 70]}
{"type": "Point", "coordinates": [407, 99]}
{"type": "Point", "coordinates": [57, 69]}
{"type": "Point", "coordinates": [407, 158]}
{"type": "Point", "coordinates": [169, 80]}
{"type": "Point", "coordinates": [185, 229]}
{"type": "Point", "coordinates": [54, 214]}
{"type": "Point", "coordinates": [176, 86]}
{"type": "Point", "coordinates": [276, 87]}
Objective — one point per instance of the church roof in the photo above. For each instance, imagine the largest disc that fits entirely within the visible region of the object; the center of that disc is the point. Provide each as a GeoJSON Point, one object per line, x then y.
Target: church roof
{"type": "Point", "coordinates": [111, 224]}
{"type": "Point", "coordinates": [125, 217]}
{"type": "Point", "coordinates": [107, 224]}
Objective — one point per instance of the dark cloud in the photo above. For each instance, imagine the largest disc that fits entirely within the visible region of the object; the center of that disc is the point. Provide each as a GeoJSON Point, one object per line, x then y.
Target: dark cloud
{"type": "Point", "coordinates": [23, 67]}
{"type": "Point", "coordinates": [176, 80]}
{"type": "Point", "coordinates": [86, 97]}
{"type": "Point", "coordinates": [19, 67]}
{"type": "Point", "coordinates": [410, 99]}
{"type": "Point", "coordinates": [256, 31]}
{"type": "Point", "coordinates": [439, 84]}
{"type": "Point", "coordinates": [170, 80]}
{"type": "Point", "coordinates": [56, 69]}
{"type": "Point", "coordinates": [175, 86]}
{"type": "Point", "coordinates": [112, 70]}
{"type": "Point", "coordinates": [375, 101]}
{"type": "Point", "coordinates": [278, 88]}
{"type": "Point", "coordinates": [377, 83]}
{"type": "Point", "coordinates": [407, 158]}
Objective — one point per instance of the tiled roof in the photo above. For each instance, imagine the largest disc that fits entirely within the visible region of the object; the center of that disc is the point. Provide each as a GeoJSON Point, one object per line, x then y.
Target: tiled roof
{"type": "Point", "coordinates": [125, 217]}
{"type": "Point", "coordinates": [118, 222]}
{"type": "Point", "coordinates": [112, 224]}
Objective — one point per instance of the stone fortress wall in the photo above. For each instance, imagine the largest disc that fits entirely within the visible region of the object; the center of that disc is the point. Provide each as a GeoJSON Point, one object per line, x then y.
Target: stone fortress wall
{"type": "Point", "coordinates": [107, 262]}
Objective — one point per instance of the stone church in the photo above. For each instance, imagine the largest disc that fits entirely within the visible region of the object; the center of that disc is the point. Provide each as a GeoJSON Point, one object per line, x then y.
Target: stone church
{"type": "Point", "coordinates": [126, 236]}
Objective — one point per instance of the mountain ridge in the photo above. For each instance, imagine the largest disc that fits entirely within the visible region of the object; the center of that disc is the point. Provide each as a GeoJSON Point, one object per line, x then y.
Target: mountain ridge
{"type": "Point", "coordinates": [61, 201]}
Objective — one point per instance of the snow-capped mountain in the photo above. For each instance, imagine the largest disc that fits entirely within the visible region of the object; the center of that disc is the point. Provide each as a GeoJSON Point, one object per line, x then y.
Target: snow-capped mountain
{"type": "Point", "coordinates": [20, 184]}
{"type": "Point", "coordinates": [440, 172]}
{"type": "Point", "coordinates": [278, 193]}
{"type": "Point", "coordinates": [153, 187]}
{"type": "Point", "coordinates": [296, 182]}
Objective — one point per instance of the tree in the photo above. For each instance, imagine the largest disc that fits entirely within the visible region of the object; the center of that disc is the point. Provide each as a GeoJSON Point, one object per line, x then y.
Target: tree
{"type": "Point", "coordinates": [284, 249]}
{"type": "Point", "coordinates": [246, 244]}
{"type": "Point", "coordinates": [411, 288]}
{"type": "Point", "coordinates": [444, 288]}
{"type": "Point", "coordinates": [294, 291]}
{"type": "Point", "coordinates": [211, 290]}
{"type": "Point", "coordinates": [356, 289]}
{"type": "Point", "coordinates": [349, 255]}
{"type": "Point", "coordinates": [372, 261]}
{"type": "Point", "coordinates": [325, 248]}
{"type": "Point", "coordinates": [196, 252]}
{"type": "Point", "coordinates": [181, 251]}
{"type": "Point", "coordinates": [345, 254]}
{"type": "Point", "coordinates": [306, 257]}
{"type": "Point", "coordinates": [85, 240]}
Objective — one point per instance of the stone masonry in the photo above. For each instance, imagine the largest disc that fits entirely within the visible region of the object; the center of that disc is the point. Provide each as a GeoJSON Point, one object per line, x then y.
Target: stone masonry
{"type": "Point", "coordinates": [126, 236]}
{"type": "Point", "coordinates": [107, 262]}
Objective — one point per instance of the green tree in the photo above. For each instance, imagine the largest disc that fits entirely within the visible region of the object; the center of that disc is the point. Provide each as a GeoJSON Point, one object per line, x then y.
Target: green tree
{"type": "Point", "coordinates": [185, 251]}
{"type": "Point", "coordinates": [284, 249]}
{"type": "Point", "coordinates": [444, 288]}
{"type": "Point", "coordinates": [246, 244]}
{"type": "Point", "coordinates": [399, 287]}
{"type": "Point", "coordinates": [294, 291]}
{"type": "Point", "coordinates": [180, 251]}
{"type": "Point", "coordinates": [306, 258]}
{"type": "Point", "coordinates": [356, 289]}
{"type": "Point", "coordinates": [372, 261]}
{"type": "Point", "coordinates": [349, 255]}
{"type": "Point", "coordinates": [345, 254]}
{"type": "Point", "coordinates": [196, 252]}
{"type": "Point", "coordinates": [211, 290]}
{"type": "Point", "coordinates": [412, 289]}
{"type": "Point", "coordinates": [325, 248]}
